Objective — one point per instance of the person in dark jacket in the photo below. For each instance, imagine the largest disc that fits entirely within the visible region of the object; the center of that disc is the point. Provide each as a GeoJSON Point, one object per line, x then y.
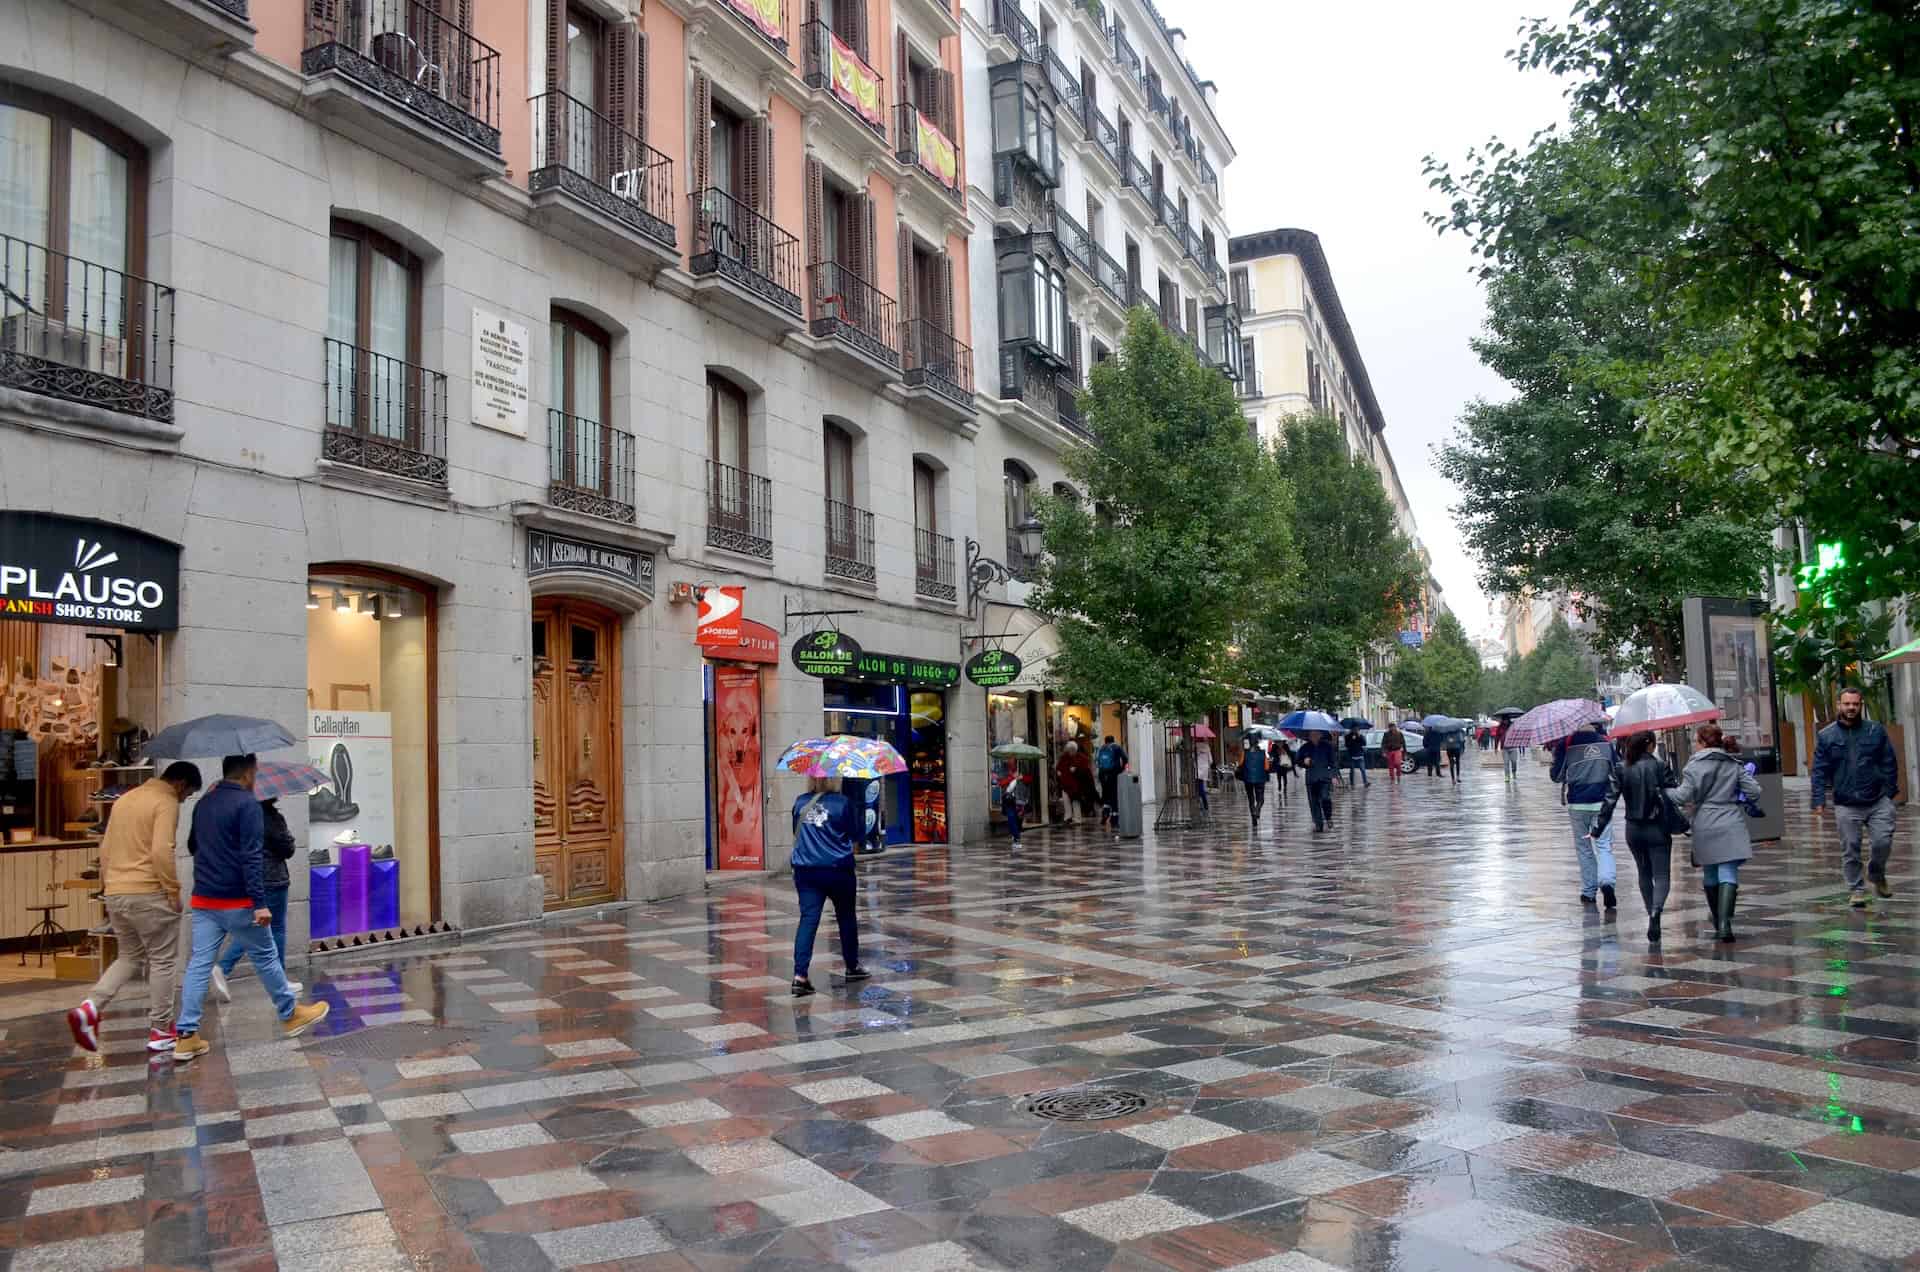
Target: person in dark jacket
{"type": "Point", "coordinates": [278, 841]}
{"type": "Point", "coordinates": [1354, 744]}
{"type": "Point", "coordinates": [1430, 752]}
{"type": "Point", "coordinates": [1280, 764]}
{"type": "Point", "coordinates": [228, 842]}
{"type": "Point", "coordinates": [1317, 763]}
{"type": "Point", "coordinates": [1111, 761]}
{"type": "Point", "coordinates": [1456, 744]}
{"type": "Point", "coordinates": [1641, 779]}
{"type": "Point", "coordinates": [1719, 786]}
{"type": "Point", "coordinates": [1583, 766]}
{"type": "Point", "coordinates": [826, 825]}
{"type": "Point", "coordinates": [1253, 773]}
{"type": "Point", "coordinates": [1854, 762]}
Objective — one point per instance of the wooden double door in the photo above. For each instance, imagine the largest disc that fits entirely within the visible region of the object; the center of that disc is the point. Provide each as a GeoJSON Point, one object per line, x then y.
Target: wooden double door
{"type": "Point", "coordinates": [576, 752]}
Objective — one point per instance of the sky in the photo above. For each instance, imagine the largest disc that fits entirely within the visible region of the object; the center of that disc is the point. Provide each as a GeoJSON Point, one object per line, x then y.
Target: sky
{"type": "Point", "coordinates": [1331, 108]}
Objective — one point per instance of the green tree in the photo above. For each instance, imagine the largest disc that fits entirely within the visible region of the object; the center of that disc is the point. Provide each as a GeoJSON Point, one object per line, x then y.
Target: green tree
{"type": "Point", "coordinates": [1748, 168]}
{"type": "Point", "coordinates": [1558, 666]}
{"type": "Point", "coordinates": [1307, 642]}
{"type": "Point", "coordinates": [1146, 595]}
{"type": "Point", "coordinates": [1442, 676]}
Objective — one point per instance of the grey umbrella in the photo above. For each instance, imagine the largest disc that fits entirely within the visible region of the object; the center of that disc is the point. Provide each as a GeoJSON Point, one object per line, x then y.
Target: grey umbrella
{"type": "Point", "coordinates": [206, 737]}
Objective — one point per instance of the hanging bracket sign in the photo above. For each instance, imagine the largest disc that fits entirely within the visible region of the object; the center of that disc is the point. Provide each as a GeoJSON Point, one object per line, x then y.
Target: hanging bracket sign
{"type": "Point", "coordinates": [993, 668]}
{"type": "Point", "coordinates": [826, 653]}
{"type": "Point", "coordinates": [57, 569]}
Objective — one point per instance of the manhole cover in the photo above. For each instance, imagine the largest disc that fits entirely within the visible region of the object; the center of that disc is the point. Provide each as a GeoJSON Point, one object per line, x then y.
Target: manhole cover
{"type": "Point", "coordinates": [1086, 1104]}
{"type": "Point", "coordinates": [389, 1042]}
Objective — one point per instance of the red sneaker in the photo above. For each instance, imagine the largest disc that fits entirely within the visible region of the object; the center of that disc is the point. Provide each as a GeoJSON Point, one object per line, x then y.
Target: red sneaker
{"type": "Point", "coordinates": [84, 1021]}
{"type": "Point", "coordinates": [161, 1039]}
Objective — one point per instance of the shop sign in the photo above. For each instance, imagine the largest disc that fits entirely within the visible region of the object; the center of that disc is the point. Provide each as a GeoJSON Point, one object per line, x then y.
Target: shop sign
{"type": "Point", "coordinates": [73, 570]}
{"type": "Point", "coordinates": [765, 16]}
{"type": "Point", "coordinates": [758, 644]}
{"type": "Point", "coordinates": [914, 673]}
{"type": "Point", "coordinates": [553, 554]}
{"type": "Point", "coordinates": [993, 668]}
{"type": "Point", "coordinates": [500, 376]}
{"type": "Point", "coordinates": [1233, 716]}
{"type": "Point", "coordinates": [853, 83]}
{"type": "Point", "coordinates": [1412, 639]}
{"type": "Point", "coordinates": [718, 626]}
{"type": "Point", "coordinates": [936, 152]}
{"type": "Point", "coordinates": [826, 654]}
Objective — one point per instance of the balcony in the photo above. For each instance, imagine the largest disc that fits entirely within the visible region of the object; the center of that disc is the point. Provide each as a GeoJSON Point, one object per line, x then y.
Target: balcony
{"type": "Point", "coordinates": [1104, 136]}
{"type": "Point", "coordinates": [384, 415]}
{"type": "Point", "coordinates": [597, 185]}
{"type": "Point", "coordinates": [938, 14]}
{"type": "Point", "coordinates": [933, 574]}
{"type": "Point", "coordinates": [750, 33]}
{"type": "Point", "coordinates": [1135, 178]}
{"type": "Point", "coordinates": [84, 333]}
{"type": "Point", "coordinates": [1006, 21]}
{"type": "Point", "coordinates": [1132, 71]}
{"type": "Point", "coordinates": [193, 27]}
{"type": "Point", "coordinates": [929, 154]}
{"type": "Point", "coordinates": [397, 76]}
{"type": "Point", "coordinates": [589, 467]}
{"type": "Point", "coordinates": [743, 265]}
{"type": "Point", "coordinates": [1111, 276]}
{"type": "Point", "coordinates": [739, 511]}
{"type": "Point", "coordinates": [832, 69]}
{"type": "Point", "coordinates": [1017, 192]}
{"type": "Point", "coordinates": [858, 319]}
{"type": "Point", "coordinates": [937, 370]}
{"type": "Point", "coordinates": [1066, 88]}
{"type": "Point", "coordinates": [1047, 393]}
{"type": "Point", "coordinates": [1073, 239]}
{"type": "Point", "coordinates": [849, 543]}
{"type": "Point", "coordinates": [1209, 179]}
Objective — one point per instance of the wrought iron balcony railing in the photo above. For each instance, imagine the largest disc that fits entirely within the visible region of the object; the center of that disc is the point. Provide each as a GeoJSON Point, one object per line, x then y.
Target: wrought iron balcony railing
{"type": "Point", "coordinates": [831, 65]}
{"type": "Point", "coordinates": [771, 29]}
{"type": "Point", "coordinates": [1157, 102]}
{"type": "Point", "coordinates": [933, 575]}
{"type": "Point", "coordinates": [578, 150]}
{"type": "Point", "coordinates": [590, 467]}
{"type": "Point", "coordinates": [1106, 138]}
{"type": "Point", "coordinates": [931, 358]}
{"type": "Point", "coordinates": [1110, 275]}
{"type": "Point", "coordinates": [1073, 239]}
{"type": "Point", "coordinates": [732, 240]}
{"type": "Point", "coordinates": [849, 308]}
{"type": "Point", "coordinates": [849, 542]}
{"type": "Point", "coordinates": [82, 332]}
{"type": "Point", "coordinates": [1209, 178]}
{"type": "Point", "coordinates": [919, 142]}
{"type": "Point", "coordinates": [1065, 86]}
{"type": "Point", "coordinates": [385, 414]}
{"type": "Point", "coordinates": [1137, 178]}
{"type": "Point", "coordinates": [406, 52]}
{"type": "Point", "coordinates": [1041, 385]}
{"type": "Point", "coordinates": [1123, 53]}
{"type": "Point", "coordinates": [739, 511]}
{"type": "Point", "coordinates": [1007, 20]}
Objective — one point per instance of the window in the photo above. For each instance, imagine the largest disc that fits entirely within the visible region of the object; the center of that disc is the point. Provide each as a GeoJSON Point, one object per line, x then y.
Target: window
{"type": "Point", "coordinates": [585, 40]}
{"type": "Point", "coordinates": [1095, 216]}
{"type": "Point", "coordinates": [1249, 374]}
{"type": "Point", "coordinates": [726, 133]}
{"type": "Point", "coordinates": [1017, 486]}
{"type": "Point", "coordinates": [1033, 303]}
{"type": "Point", "coordinates": [373, 324]}
{"type": "Point", "coordinates": [580, 388]}
{"type": "Point", "coordinates": [1133, 266]}
{"type": "Point", "coordinates": [1186, 210]}
{"type": "Point", "coordinates": [1023, 123]}
{"type": "Point", "coordinates": [1169, 301]}
{"type": "Point", "coordinates": [726, 422]}
{"type": "Point", "coordinates": [1208, 247]}
{"type": "Point", "coordinates": [839, 463]}
{"type": "Point", "coordinates": [925, 487]}
{"type": "Point", "coordinates": [1193, 316]}
{"type": "Point", "coordinates": [1242, 290]}
{"type": "Point", "coordinates": [1159, 178]}
{"type": "Point", "coordinates": [1089, 86]}
{"type": "Point", "coordinates": [1100, 353]}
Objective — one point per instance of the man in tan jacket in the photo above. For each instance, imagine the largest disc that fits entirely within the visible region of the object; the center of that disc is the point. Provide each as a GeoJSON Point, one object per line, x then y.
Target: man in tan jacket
{"type": "Point", "coordinates": [143, 902]}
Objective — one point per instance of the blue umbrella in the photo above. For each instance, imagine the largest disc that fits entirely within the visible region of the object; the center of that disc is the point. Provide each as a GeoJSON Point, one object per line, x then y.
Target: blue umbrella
{"type": "Point", "coordinates": [1355, 722]}
{"type": "Point", "coordinates": [1444, 722]}
{"type": "Point", "coordinates": [1308, 721]}
{"type": "Point", "coordinates": [207, 737]}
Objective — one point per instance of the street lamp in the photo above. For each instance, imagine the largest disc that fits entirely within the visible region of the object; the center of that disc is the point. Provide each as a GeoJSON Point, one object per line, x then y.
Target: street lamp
{"type": "Point", "coordinates": [983, 572]}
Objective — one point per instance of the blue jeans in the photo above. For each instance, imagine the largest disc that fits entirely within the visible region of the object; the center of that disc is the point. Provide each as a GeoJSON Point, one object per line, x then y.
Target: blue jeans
{"type": "Point", "coordinates": [210, 928]}
{"type": "Point", "coordinates": [1596, 859]}
{"type": "Point", "coordinates": [816, 886]}
{"type": "Point", "coordinates": [276, 902]}
{"type": "Point", "coordinates": [1011, 808]}
{"type": "Point", "coordinates": [1722, 872]}
{"type": "Point", "coordinates": [1359, 764]}
{"type": "Point", "coordinates": [1320, 802]}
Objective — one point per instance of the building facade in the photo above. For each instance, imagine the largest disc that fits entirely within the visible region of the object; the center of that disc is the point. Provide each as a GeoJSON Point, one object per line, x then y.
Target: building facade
{"type": "Point", "coordinates": [499, 392]}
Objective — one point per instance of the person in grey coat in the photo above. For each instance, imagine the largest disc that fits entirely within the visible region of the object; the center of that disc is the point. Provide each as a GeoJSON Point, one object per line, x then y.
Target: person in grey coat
{"type": "Point", "coordinates": [1713, 783]}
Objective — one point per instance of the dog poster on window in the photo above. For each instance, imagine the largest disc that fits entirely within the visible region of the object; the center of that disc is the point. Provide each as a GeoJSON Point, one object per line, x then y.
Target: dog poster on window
{"type": "Point", "coordinates": [355, 749]}
{"type": "Point", "coordinates": [736, 779]}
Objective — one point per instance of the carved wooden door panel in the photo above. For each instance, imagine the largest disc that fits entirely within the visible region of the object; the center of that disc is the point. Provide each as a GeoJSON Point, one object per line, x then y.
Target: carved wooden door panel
{"type": "Point", "coordinates": [576, 762]}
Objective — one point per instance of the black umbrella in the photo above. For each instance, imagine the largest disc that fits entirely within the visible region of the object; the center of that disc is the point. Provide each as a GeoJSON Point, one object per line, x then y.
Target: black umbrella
{"type": "Point", "coordinates": [211, 736]}
{"type": "Point", "coordinates": [1507, 713]}
{"type": "Point", "coordinates": [1355, 722]}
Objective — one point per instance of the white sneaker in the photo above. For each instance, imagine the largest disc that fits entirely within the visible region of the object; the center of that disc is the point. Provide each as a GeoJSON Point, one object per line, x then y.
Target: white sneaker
{"type": "Point", "coordinates": [220, 989]}
{"type": "Point", "coordinates": [295, 986]}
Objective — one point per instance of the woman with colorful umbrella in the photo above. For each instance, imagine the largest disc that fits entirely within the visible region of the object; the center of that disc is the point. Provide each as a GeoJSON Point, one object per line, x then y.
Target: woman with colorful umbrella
{"type": "Point", "coordinates": [826, 826]}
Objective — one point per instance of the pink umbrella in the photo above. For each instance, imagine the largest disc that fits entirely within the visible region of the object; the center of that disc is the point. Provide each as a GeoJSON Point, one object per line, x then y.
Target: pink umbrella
{"type": "Point", "coordinates": [1552, 721]}
{"type": "Point", "coordinates": [1201, 730]}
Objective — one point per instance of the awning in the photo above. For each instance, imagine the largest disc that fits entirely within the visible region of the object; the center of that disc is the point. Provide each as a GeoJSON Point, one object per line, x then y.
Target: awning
{"type": "Point", "coordinates": [1030, 638]}
{"type": "Point", "coordinates": [1907, 653]}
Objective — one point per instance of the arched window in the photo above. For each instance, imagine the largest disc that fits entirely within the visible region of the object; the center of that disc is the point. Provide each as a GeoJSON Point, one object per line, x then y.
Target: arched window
{"type": "Point", "coordinates": [1017, 483]}
{"type": "Point", "coordinates": [839, 463]}
{"type": "Point", "coordinates": [926, 485]}
{"type": "Point", "coordinates": [373, 333]}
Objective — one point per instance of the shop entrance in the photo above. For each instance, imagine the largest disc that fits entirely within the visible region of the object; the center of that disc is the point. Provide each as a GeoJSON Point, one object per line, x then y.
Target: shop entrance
{"type": "Point", "coordinates": [576, 752]}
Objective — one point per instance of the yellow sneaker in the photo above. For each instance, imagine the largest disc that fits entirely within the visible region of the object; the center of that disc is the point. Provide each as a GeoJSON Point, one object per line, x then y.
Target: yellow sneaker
{"type": "Point", "coordinates": [189, 1047]}
{"type": "Point", "coordinates": [305, 1016]}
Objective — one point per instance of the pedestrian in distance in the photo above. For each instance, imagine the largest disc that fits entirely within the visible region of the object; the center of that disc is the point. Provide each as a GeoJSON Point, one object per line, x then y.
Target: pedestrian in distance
{"type": "Point", "coordinates": [1013, 800]}
{"type": "Point", "coordinates": [1510, 759]}
{"type": "Point", "coordinates": [1393, 752]}
{"type": "Point", "coordinates": [279, 851]}
{"type": "Point", "coordinates": [1455, 744]}
{"type": "Point", "coordinates": [1641, 780]}
{"type": "Point", "coordinates": [141, 892]}
{"type": "Point", "coordinates": [1583, 766]}
{"type": "Point", "coordinates": [1317, 762]}
{"type": "Point", "coordinates": [1430, 752]}
{"type": "Point", "coordinates": [1355, 743]}
{"type": "Point", "coordinates": [826, 825]}
{"type": "Point", "coordinates": [1111, 762]}
{"type": "Point", "coordinates": [1724, 795]}
{"type": "Point", "coordinates": [1280, 763]}
{"type": "Point", "coordinates": [1854, 763]}
{"type": "Point", "coordinates": [1253, 775]}
{"type": "Point", "coordinates": [228, 842]}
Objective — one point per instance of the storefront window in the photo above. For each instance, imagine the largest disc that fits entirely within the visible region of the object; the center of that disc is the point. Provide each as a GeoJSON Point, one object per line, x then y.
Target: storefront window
{"type": "Point", "coordinates": [1009, 719]}
{"type": "Point", "coordinates": [912, 806]}
{"type": "Point", "coordinates": [370, 729]}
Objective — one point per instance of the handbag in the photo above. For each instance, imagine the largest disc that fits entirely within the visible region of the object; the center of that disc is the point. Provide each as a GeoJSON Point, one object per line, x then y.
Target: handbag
{"type": "Point", "coordinates": [1672, 820]}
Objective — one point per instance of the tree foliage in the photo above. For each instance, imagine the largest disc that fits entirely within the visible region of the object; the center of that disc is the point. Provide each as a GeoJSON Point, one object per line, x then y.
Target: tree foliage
{"type": "Point", "coordinates": [1556, 667]}
{"type": "Point", "coordinates": [1442, 676]}
{"type": "Point", "coordinates": [1190, 531]}
{"type": "Point", "coordinates": [1360, 573]}
{"type": "Point", "coordinates": [1748, 169]}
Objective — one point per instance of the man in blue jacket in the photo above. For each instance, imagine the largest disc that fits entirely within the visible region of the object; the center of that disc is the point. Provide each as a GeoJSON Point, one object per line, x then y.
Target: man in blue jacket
{"type": "Point", "coordinates": [1583, 765]}
{"type": "Point", "coordinates": [1854, 760]}
{"type": "Point", "coordinates": [230, 901]}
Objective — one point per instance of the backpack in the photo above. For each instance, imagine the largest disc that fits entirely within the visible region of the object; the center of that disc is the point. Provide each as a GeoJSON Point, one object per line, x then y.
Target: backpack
{"type": "Point", "coordinates": [1109, 758]}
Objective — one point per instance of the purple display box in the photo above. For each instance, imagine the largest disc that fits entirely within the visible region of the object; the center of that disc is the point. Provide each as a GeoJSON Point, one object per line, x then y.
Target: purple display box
{"type": "Point", "coordinates": [323, 904]}
{"type": "Point", "coordinates": [354, 859]}
{"type": "Point", "coordinates": [383, 894]}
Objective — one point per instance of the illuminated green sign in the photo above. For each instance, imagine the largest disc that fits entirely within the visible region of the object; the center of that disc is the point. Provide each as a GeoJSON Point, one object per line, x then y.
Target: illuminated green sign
{"type": "Point", "coordinates": [1829, 560]}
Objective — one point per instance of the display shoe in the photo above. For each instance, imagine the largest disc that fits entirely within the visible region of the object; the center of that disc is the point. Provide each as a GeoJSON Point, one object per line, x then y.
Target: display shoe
{"type": "Point", "coordinates": [324, 806]}
{"type": "Point", "coordinates": [1729, 894]}
{"type": "Point", "coordinates": [319, 856]}
{"type": "Point", "coordinates": [305, 1016]}
{"type": "Point", "coordinates": [189, 1047]}
{"type": "Point", "coordinates": [382, 853]}
{"type": "Point", "coordinates": [84, 1023]}
{"type": "Point", "coordinates": [218, 981]}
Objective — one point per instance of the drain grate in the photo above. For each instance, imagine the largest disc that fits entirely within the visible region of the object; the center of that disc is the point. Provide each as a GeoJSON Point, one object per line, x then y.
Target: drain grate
{"type": "Point", "coordinates": [389, 1042]}
{"type": "Point", "coordinates": [1086, 1104]}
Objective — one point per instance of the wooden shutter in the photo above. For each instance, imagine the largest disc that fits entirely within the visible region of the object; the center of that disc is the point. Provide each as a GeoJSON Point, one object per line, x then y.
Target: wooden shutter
{"type": "Point", "coordinates": [870, 240]}
{"type": "Point", "coordinates": [854, 15]}
{"type": "Point", "coordinates": [942, 108]}
{"type": "Point", "coordinates": [1073, 352]}
{"type": "Point", "coordinates": [906, 273]}
{"type": "Point", "coordinates": [556, 47]}
{"type": "Point", "coordinates": [626, 77]}
{"type": "Point", "coordinates": [764, 127]}
{"type": "Point", "coordinates": [902, 58]}
{"type": "Point", "coordinates": [702, 135]}
{"type": "Point", "coordinates": [752, 162]}
{"type": "Point", "coordinates": [816, 211]}
{"type": "Point", "coordinates": [943, 298]}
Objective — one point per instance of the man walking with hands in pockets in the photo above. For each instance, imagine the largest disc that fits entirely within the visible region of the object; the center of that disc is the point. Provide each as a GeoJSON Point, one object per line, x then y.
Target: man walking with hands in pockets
{"type": "Point", "coordinates": [1854, 761]}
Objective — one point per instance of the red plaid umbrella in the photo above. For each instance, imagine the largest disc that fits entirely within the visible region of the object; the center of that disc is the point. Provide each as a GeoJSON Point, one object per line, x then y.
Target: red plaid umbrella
{"type": "Point", "coordinates": [274, 780]}
{"type": "Point", "coordinates": [1552, 721]}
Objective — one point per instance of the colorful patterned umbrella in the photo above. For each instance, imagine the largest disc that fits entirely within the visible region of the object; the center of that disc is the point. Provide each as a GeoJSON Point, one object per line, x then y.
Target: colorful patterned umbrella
{"type": "Point", "coordinates": [1551, 721]}
{"type": "Point", "coordinates": [1663, 706]}
{"type": "Point", "coordinates": [842, 755]}
{"type": "Point", "coordinates": [274, 780]}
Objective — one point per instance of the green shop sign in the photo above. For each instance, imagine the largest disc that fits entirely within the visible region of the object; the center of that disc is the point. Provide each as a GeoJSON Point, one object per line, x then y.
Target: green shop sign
{"type": "Point", "coordinates": [993, 669]}
{"type": "Point", "coordinates": [826, 654]}
{"type": "Point", "coordinates": [915, 673]}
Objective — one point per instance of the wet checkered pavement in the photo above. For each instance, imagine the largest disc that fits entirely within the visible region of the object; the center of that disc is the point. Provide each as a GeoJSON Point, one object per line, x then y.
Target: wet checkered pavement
{"type": "Point", "coordinates": [1401, 1045]}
